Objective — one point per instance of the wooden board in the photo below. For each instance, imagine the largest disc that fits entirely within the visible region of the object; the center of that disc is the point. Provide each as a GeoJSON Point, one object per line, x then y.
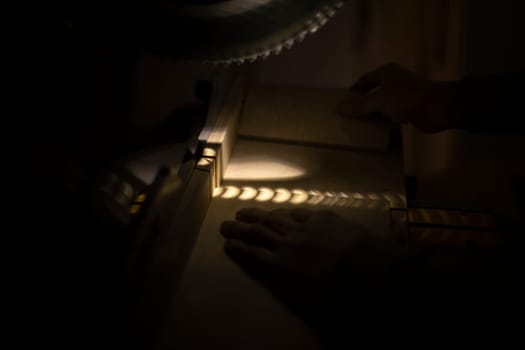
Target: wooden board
{"type": "Point", "coordinates": [307, 115]}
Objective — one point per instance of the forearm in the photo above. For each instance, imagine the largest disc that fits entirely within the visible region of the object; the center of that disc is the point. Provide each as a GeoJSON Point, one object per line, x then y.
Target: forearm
{"type": "Point", "coordinates": [366, 296]}
{"type": "Point", "coordinates": [418, 289]}
{"type": "Point", "coordinates": [489, 104]}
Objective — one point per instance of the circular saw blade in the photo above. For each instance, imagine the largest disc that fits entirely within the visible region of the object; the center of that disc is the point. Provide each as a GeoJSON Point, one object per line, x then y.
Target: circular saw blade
{"type": "Point", "coordinates": [232, 31]}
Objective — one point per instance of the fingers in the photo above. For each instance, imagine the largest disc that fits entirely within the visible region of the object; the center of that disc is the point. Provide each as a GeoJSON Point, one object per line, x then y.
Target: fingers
{"type": "Point", "coordinates": [241, 250]}
{"type": "Point", "coordinates": [301, 214]}
{"type": "Point", "coordinates": [249, 244]}
{"type": "Point", "coordinates": [368, 83]}
{"type": "Point", "coordinates": [375, 79]}
{"type": "Point", "coordinates": [280, 221]}
{"type": "Point", "coordinates": [253, 234]}
{"type": "Point", "coordinates": [368, 96]}
{"type": "Point", "coordinates": [251, 215]}
{"type": "Point", "coordinates": [364, 106]}
{"type": "Point", "coordinates": [277, 220]}
{"type": "Point", "coordinates": [254, 259]}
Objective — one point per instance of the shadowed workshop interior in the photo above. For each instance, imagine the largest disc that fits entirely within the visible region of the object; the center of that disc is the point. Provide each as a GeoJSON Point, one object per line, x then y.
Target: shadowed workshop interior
{"type": "Point", "coordinates": [148, 124]}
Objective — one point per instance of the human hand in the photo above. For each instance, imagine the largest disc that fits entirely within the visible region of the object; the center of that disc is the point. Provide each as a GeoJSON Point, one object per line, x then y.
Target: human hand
{"type": "Point", "coordinates": [302, 255]}
{"type": "Point", "coordinates": [320, 265]}
{"type": "Point", "coordinates": [289, 249]}
{"type": "Point", "coordinates": [396, 93]}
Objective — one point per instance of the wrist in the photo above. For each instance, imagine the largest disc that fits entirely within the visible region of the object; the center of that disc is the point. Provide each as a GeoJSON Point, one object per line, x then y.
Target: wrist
{"type": "Point", "coordinates": [452, 115]}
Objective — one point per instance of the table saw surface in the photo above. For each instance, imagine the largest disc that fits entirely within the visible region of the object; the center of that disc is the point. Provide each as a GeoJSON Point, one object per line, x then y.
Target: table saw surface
{"type": "Point", "coordinates": [217, 305]}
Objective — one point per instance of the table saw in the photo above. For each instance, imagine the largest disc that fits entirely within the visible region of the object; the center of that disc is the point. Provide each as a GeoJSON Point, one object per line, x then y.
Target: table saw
{"type": "Point", "coordinates": [266, 147]}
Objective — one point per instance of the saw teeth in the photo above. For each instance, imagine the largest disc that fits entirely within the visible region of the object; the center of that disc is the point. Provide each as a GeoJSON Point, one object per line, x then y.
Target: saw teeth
{"type": "Point", "coordinates": [302, 35]}
{"type": "Point", "coordinates": [277, 50]}
{"type": "Point", "coordinates": [321, 19]}
{"type": "Point", "coordinates": [311, 27]}
{"type": "Point", "coordinates": [329, 11]}
{"type": "Point", "coordinates": [319, 16]}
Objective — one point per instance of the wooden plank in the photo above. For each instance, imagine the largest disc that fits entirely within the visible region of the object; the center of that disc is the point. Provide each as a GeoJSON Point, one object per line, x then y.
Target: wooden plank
{"type": "Point", "coordinates": [309, 116]}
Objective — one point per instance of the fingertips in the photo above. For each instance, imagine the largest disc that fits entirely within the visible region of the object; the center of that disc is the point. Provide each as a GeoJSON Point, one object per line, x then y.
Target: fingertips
{"type": "Point", "coordinates": [228, 228]}
{"type": "Point", "coordinates": [238, 230]}
{"type": "Point", "coordinates": [253, 234]}
{"type": "Point", "coordinates": [247, 255]}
